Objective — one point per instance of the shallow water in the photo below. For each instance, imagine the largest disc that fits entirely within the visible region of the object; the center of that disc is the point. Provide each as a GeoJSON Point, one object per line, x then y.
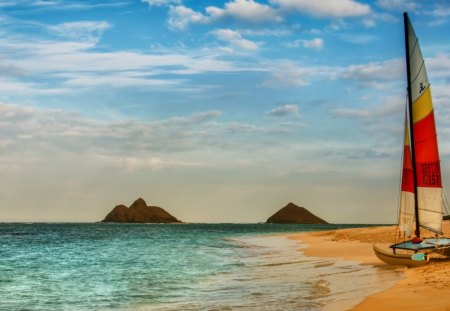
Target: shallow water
{"type": "Point", "coordinates": [271, 274]}
{"type": "Point", "coordinates": [170, 267]}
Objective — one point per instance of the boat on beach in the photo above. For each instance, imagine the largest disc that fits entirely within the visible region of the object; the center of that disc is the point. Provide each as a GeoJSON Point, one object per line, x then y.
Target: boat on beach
{"type": "Point", "coordinates": [421, 196]}
{"type": "Point", "coordinates": [389, 257]}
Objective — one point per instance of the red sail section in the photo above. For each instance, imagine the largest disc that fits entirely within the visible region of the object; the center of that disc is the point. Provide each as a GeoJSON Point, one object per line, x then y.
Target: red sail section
{"type": "Point", "coordinates": [407, 174]}
{"type": "Point", "coordinates": [406, 212]}
{"type": "Point", "coordinates": [427, 155]}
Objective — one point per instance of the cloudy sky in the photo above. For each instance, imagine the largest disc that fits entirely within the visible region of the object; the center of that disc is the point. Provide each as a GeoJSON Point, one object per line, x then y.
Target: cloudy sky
{"type": "Point", "coordinates": [218, 111]}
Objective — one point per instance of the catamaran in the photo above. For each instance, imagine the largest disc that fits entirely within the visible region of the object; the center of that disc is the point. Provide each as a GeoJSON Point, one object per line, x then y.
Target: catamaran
{"type": "Point", "coordinates": [421, 197]}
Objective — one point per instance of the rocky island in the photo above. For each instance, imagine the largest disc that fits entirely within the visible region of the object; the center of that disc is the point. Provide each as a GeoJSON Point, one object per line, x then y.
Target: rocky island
{"type": "Point", "coordinates": [293, 214]}
{"type": "Point", "coordinates": [139, 212]}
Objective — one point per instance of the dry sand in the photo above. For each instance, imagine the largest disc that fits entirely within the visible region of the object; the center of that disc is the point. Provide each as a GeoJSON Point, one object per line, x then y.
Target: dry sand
{"type": "Point", "coordinates": [423, 288]}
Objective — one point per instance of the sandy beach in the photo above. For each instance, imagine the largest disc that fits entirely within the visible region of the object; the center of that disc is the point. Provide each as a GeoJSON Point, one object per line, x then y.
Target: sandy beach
{"type": "Point", "coordinates": [423, 288]}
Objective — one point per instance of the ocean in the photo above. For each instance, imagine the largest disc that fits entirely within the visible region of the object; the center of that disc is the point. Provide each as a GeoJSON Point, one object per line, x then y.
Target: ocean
{"type": "Point", "coordinates": [108, 267]}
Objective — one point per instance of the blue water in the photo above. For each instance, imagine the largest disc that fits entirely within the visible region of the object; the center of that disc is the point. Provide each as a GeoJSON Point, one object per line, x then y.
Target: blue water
{"type": "Point", "coordinates": [160, 267]}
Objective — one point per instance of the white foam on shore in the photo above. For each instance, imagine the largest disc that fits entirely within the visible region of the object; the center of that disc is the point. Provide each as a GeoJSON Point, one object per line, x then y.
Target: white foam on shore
{"type": "Point", "coordinates": [331, 283]}
{"type": "Point", "coordinates": [270, 273]}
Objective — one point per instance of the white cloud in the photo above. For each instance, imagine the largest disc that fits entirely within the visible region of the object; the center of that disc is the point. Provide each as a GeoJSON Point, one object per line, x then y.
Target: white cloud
{"type": "Point", "coordinates": [404, 5]}
{"type": "Point", "coordinates": [437, 22]}
{"type": "Point", "coordinates": [161, 2]}
{"type": "Point", "coordinates": [390, 75]}
{"type": "Point", "coordinates": [130, 163]}
{"type": "Point", "coordinates": [12, 86]}
{"type": "Point", "coordinates": [76, 63]}
{"type": "Point", "coordinates": [440, 11]}
{"type": "Point", "coordinates": [391, 106]}
{"type": "Point", "coordinates": [180, 17]}
{"type": "Point", "coordinates": [382, 121]}
{"type": "Point", "coordinates": [284, 110]}
{"type": "Point", "coordinates": [240, 128]}
{"type": "Point", "coordinates": [58, 132]}
{"type": "Point", "coordinates": [369, 23]}
{"type": "Point", "coordinates": [44, 3]}
{"type": "Point", "coordinates": [358, 38]}
{"type": "Point", "coordinates": [386, 17]}
{"type": "Point", "coordinates": [196, 140]}
{"type": "Point", "coordinates": [235, 39]}
{"type": "Point", "coordinates": [62, 4]}
{"type": "Point", "coordinates": [9, 70]}
{"type": "Point", "coordinates": [74, 5]}
{"type": "Point", "coordinates": [439, 66]}
{"type": "Point", "coordinates": [326, 8]}
{"type": "Point", "coordinates": [118, 80]}
{"type": "Point", "coordinates": [80, 29]}
{"type": "Point", "coordinates": [375, 71]}
{"type": "Point", "coordinates": [315, 44]}
{"type": "Point", "coordinates": [441, 97]}
{"type": "Point", "coordinates": [247, 11]}
{"type": "Point", "coordinates": [289, 74]}
{"type": "Point", "coordinates": [267, 32]}
{"type": "Point", "coordinates": [338, 25]}
{"type": "Point", "coordinates": [351, 113]}
{"type": "Point", "coordinates": [15, 112]}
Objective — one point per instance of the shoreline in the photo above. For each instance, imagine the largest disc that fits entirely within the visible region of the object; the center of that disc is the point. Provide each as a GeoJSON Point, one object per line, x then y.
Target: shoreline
{"type": "Point", "coordinates": [422, 288]}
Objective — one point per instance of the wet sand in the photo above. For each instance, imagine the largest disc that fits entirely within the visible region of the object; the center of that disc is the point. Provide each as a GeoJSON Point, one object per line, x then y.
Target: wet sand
{"type": "Point", "coordinates": [423, 288]}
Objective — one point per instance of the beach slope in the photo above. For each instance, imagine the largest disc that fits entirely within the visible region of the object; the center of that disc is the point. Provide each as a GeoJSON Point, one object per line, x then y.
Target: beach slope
{"type": "Point", "coordinates": [423, 288]}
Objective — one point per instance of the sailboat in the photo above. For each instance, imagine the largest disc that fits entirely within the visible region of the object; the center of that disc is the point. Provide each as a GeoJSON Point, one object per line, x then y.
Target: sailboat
{"type": "Point", "coordinates": [421, 196]}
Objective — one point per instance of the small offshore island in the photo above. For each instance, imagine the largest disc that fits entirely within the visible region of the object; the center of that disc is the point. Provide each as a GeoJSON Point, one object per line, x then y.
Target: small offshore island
{"type": "Point", "coordinates": [293, 214]}
{"type": "Point", "coordinates": [139, 212]}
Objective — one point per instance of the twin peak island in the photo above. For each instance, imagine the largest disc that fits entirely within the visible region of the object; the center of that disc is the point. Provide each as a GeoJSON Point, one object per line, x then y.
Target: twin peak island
{"type": "Point", "coordinates": [140, 212]}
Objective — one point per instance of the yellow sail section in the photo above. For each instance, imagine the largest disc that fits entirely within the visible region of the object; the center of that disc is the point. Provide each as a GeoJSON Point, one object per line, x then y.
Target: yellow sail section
{"type": "Point", "coordinates": [423, 106]}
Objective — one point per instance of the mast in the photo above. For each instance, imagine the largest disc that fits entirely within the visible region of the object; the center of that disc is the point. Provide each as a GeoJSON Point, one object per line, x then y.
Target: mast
{"type": "Point", "coordinates": [411, 123]}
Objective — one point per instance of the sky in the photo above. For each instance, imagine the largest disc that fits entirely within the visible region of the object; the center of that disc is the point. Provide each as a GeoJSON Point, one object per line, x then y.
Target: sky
{"type": "Point", "coordinates": [217, 111]}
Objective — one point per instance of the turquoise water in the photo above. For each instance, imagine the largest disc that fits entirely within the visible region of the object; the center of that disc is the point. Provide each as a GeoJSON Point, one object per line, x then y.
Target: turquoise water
{"type": "Point", "coordinates": [160, 267]}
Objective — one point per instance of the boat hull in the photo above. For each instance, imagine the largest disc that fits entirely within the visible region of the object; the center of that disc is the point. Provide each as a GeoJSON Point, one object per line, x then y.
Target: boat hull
{"type": "Point", "coordinates": [389, 257]}
{"type": "Point", "coordinates": [445, 251]}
